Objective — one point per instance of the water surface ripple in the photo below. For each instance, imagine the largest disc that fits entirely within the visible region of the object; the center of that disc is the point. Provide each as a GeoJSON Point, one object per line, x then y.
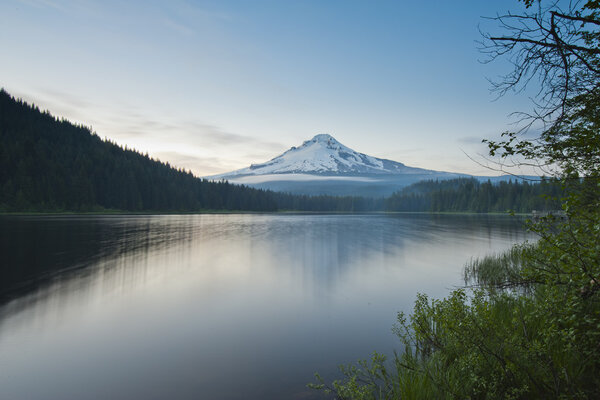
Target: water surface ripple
{"type": "Point", "coordinates": [215, 306]}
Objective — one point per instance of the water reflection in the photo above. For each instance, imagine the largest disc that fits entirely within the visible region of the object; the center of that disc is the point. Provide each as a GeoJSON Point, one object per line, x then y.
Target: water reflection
{"type": "Point", "coordinates": [175, 306]}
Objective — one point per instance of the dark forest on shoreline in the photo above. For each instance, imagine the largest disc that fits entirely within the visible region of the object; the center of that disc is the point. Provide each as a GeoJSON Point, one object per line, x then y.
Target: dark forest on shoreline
{"type": "Point", "coordinates": [51, 165]}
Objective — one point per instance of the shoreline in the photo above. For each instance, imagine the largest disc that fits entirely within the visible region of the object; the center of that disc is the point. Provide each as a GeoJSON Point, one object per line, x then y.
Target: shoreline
{"type": "Point", "coordinates": [283, 212]}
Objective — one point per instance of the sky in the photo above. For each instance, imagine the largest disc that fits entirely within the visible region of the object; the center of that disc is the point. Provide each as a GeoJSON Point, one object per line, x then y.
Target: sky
{"type": "Point", "coordinates": [213, 86]}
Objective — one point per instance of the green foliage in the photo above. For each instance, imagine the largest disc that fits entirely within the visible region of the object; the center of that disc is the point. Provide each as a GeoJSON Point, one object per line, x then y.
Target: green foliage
{"type": "Point", "coordinates": [528, 327]}
{"type": "Point", "coordinates": [375, 379]}
{"type": "Point", "coordinates": [497, 342]}
{"type": "Point", "coordinates": [502, 270]}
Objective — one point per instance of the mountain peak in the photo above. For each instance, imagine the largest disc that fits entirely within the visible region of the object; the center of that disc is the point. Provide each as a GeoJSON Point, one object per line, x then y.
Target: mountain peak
{"type": "Point", "coordinates": [325, 140]}
{"type": "Point", "coordinates": [324, 155]}
{"type": "Point", "coordinates": [323, 137]}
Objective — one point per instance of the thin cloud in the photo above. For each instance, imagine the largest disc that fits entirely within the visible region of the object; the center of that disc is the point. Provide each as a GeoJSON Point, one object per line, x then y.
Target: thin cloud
{"type": "Point", "coordinates": [130, 121]}
{"type": "Point", "coordinates": [59, 104]}
{"type": "Point", "coordinates": [191, 133]}
{"type": "Point", "coordinates": [62, 5]}
{"type": "Point", "coordinates": [215, 136]}
{"type": "Point", "coordinates": [43, 4]}
{"type": "Point", "coordinates": [395, 155]}
{"type": "Point", "coordinates": [469, 140]}
{"type": "Point", "coordinates": [190, 144]}
{"type": "Point", "coordinates": [66, 99]}
{"type": "Point", "coordinates": [178, 27]}
{"type": "Point", "coordinates": [200, 166]}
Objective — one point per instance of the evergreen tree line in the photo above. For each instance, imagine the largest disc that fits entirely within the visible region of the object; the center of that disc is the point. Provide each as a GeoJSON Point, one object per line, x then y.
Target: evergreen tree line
{"type": "Point", "coordinates": [468, 194]}
{"type": "Point", "coordinates": [47, 164]}
{"type": "Point", "coordinates": [325, 203]}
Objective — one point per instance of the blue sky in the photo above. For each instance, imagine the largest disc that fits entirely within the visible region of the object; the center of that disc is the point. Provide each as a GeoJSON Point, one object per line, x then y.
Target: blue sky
{"type": "Point", "coordinates": [216, 85]}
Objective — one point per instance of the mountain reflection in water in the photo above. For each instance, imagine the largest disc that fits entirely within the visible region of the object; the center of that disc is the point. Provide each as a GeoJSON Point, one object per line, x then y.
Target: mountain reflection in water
{"type": "Point", "coordinates": [215, 306]}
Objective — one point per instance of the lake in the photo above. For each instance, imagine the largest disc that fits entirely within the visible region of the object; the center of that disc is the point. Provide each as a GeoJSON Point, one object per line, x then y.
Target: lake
{"type": "Point", "coordinates": [222, 306]}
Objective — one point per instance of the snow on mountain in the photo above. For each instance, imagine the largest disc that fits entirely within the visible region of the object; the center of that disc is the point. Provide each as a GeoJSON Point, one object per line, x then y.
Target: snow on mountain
{"type": "Point", "coordinates": [324, 166]}
{"type": "Point", "coordinates": [324, 155]}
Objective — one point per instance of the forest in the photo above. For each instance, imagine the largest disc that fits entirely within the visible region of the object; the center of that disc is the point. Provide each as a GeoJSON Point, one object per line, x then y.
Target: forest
{"type": "Point", "coordinates": [52, 165]}
{"type": "Point", "coordinates": [47, 164]}
{"type": "Point", "coordinates": [470, 195]}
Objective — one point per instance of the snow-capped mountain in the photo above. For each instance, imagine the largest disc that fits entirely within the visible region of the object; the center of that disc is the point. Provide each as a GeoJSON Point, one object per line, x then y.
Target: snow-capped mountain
{"type": "Point", "coordinates": [322, 165]}
{"type": "Point", "coordinates": [323, 155]}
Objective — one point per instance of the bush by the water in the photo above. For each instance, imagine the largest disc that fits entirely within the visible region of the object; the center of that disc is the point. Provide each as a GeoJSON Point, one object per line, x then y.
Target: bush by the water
{"type": "Point", "coordinates": [527, 325]}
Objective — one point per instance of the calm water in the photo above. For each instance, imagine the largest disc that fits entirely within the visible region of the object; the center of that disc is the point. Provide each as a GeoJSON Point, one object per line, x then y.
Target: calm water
{"type": "Point", "coordinates": [215, 306]}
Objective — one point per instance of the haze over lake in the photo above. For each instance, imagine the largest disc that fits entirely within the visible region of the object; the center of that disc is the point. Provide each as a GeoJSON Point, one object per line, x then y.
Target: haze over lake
{"type": "Point", "coordinates": [216, 306]}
